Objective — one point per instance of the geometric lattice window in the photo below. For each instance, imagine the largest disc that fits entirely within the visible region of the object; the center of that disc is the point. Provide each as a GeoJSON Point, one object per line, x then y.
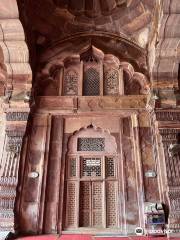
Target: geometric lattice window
{"type": "Point", "coordinates": [97, 204]}
{"type": "Point", "coordinates": [92, 183]}
{"type": "Point", "coordinates": [72, 168]}
{"type": "Point", "coordinates": [111, 82]}
{"type": "Point", "coordinates": [71, 83]}
{"type": "Point", "coordinates": [109, 163]}
{"type": "Point", "coordinates": [85, 202]}
{"type": "Point", "coordinates": [91, 83]}
{"type": "Point", "coordinates": [111, 209]}
{"type": "Point", "coordinates": [91, 204]}
{"type": "Point", "coordinates": [91, 144]}
{"type": "Point", "coordinates": [91, 167]}
{"type": "Point", "coordinates": [71, 203]}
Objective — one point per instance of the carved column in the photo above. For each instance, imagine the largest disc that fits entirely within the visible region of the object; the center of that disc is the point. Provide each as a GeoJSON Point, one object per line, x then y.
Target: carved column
{"type": "Point", "coordinates": [132, 170]}
{"type": "Point", "coordinates": [15, 88]}
{"type": "Point", "coordinates": [33, 179]}
{"type": "Point", "coordinates": [53, 177]}
{"type": "Point", "coordinates": [169, 129]}
{"type": "Point", "coordinates": [170, 136]}
{"type": "Point", "coordinates": [149, 156]}
{"type": "Point", "coordinates": [14, 132]}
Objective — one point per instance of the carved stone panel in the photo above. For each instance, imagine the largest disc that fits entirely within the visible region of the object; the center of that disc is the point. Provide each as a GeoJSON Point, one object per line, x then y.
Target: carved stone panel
{"type": "Point", "coordinates": [70, 82]}
{"type": "Point", "coordinates": [170, 137]}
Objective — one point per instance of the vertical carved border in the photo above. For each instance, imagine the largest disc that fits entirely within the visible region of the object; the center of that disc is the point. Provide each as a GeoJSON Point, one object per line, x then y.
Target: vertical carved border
{"type": "Point", "coordinates": [14, 132]}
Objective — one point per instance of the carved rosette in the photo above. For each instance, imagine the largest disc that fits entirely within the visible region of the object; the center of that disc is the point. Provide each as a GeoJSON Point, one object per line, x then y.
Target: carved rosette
{"type": "Point", "coordinates": [10, 166]}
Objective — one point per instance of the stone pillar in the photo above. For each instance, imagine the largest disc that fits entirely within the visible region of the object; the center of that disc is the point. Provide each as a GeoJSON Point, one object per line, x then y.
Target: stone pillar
{"type": "Point", "coordinates": [149, 156]}
{"type": "Point", "coordinates": [132, 170]}
{"type": "Point", "coordinates": [170, 137]}
{"type": "Point", "coordinates": [15, 87]}
{"type": "Point", "coordinates": [10, 166]}
{"type": "Point", "coordinates": [31, 187]}
{"type": "Point", "coordinates": [165, 81]}
{"type": "Point", "coordinates": [53, 177]}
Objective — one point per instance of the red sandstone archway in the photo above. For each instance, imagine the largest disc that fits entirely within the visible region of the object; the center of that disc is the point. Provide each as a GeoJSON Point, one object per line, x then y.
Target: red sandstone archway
{"type": "Point", "coordinates": [92, 189]}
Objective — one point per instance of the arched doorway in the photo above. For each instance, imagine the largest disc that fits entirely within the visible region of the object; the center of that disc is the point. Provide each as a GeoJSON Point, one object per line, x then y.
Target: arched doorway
{"type": "Point", "coordinates": [91, 180]}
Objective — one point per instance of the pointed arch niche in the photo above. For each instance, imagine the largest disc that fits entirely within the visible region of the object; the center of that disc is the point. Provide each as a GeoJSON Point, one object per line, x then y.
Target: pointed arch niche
{"type": "Point", "coordinates": [91, 180]}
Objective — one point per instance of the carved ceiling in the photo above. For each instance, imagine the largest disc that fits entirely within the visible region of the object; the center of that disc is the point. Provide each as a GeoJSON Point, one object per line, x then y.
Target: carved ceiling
{"type": "Point", "coordinates": [53, 20]}
{"type": "Point", "coordinates": [92, 9]}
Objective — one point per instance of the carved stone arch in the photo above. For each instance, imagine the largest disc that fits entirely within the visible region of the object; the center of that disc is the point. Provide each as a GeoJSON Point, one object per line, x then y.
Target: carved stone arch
{"type": "Point", "coordinates": [49, 87]}
{"type": "Point", "coordinates": [135, 83]}
{"type": "Point", "coordinates": [113, 76]}
{"type": "Point", "coordinates": [141, 81]}
{"type": "Point", "coordinates": [95, 73]}
{"type": "Point", "coordinates": [50, 67]}
{"type": "Point", "coordinates": [93, 132]}
{"type": "Point", "coordinates": [92, 60]}
{"type": "Point", "coordinates": [91, 164]}
{"type": "Point", "coordinates": [90, 51]}
{"type": "Point", "coordinates": [107, 42]}
{"type": "Point", "coordinates": [47, 80]}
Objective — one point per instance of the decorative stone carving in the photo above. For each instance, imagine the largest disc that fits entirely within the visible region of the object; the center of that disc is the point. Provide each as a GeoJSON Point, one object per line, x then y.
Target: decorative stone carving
{"type": "Point", "coordinates": [171, 137]}
{"type": "Point", "coordinates": [167, 115]}
{"type": "Point", "coordinates": [165, 72]}
{"type": "Point", "coordinates": [174, 216]}
{"type": "Point", "coordinates": [111, 82]}
{"type": "Point", "coordinates": [14, 141]}
{"type": "Point", "coordinates": [135, 83]}
{"type": "Point", "coordinates": [17, 116]}
{"type": "Point", "coordinates": [96, 74]}
{"type": "Point", "coordinates": [9, 168]}
{"type": "Point", "coordinates": [86, 16]}
{"type": "Point", "coordinates": [94, 9]}
{"type": "Point", "coordinates": [15, 81]}
{"type": "Point", "coordinates": [71, 82]}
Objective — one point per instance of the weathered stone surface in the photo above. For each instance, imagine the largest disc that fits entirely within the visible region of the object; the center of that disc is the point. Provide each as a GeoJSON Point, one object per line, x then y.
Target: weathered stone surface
{"type": "Point", "coordinates": [166, 67]}
{"type": "Point", "coordinates": [17, 75]}
{"type": "Point", "coordinates": [130, 39]}
{"type": "Point", "coordinates": [115, 17]}
{"type": "Point", "coordinates": [9, 10]}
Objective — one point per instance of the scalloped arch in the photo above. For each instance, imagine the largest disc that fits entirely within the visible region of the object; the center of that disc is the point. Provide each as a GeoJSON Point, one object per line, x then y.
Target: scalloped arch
{"type": "Point", "coordinates": [132, 79]}
{"type": "Point", "coordinates": [94, 132]}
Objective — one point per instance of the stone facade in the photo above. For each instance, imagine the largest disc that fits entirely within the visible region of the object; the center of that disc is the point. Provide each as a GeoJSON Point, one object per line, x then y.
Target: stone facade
{"type": "Point", "coordinates": [104, 113]}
